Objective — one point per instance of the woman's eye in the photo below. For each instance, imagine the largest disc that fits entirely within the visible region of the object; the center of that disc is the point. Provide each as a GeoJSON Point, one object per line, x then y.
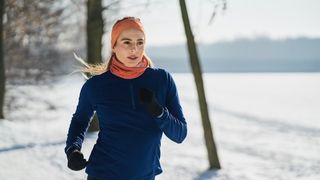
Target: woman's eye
{"type": "Point", "coordinates": [140, 43]}
{"type": "Point", "coordinates": [126, 42]}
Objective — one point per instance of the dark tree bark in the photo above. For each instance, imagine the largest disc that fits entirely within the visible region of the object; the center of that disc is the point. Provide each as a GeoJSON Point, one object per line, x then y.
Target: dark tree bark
{"type": "Point", "coordinates": [2, 69]}
{"type": "Point", "coordinates": [94, 31]}
{"type": "Point", "coordinates": [196, 69]}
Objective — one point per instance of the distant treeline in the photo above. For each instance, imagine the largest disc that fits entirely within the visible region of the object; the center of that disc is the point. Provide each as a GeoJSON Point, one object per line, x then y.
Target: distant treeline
{"type": "Point", "coordinates": [244, 55]}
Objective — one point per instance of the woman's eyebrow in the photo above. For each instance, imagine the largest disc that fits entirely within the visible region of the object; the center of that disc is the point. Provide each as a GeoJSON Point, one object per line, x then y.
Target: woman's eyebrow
{"type": "Point", "coordinates": [128, 39]}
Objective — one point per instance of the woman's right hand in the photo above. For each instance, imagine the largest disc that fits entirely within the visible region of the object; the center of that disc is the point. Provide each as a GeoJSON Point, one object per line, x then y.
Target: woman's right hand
{"type": "Point", "coordinates": [148, 98]}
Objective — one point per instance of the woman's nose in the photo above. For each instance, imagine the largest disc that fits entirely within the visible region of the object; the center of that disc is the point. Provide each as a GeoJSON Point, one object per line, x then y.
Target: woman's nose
{"type": "Point", "coordinates": [133, 47]}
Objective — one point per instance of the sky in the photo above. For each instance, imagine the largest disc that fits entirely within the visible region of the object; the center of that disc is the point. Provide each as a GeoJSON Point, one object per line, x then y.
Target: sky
{"type": "Point", "coordinates": [277, 19]}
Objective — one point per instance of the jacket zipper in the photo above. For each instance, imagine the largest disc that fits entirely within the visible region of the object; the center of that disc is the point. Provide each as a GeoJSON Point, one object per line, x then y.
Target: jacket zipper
{"type": "Point", "coordinates": [133, 103]}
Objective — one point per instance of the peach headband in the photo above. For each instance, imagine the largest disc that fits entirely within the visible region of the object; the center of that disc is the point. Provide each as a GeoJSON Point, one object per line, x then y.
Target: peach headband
{"type": "Point", "coordinates": [123, 24]}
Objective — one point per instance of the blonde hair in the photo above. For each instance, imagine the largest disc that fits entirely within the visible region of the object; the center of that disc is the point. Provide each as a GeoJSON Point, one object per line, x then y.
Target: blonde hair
{"type": "Point", "coordinates": [97, 69]}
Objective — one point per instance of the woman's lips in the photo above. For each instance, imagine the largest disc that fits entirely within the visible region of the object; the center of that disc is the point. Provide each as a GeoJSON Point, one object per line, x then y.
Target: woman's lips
{"type": "Point", "coordinates": [132, 57]}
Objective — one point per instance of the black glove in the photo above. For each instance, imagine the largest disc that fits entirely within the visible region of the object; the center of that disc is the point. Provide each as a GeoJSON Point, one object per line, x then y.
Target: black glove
{"type": "Point", "coordinates": [148, 98]}
{"type": "Point", "coordinates": [76, 161]}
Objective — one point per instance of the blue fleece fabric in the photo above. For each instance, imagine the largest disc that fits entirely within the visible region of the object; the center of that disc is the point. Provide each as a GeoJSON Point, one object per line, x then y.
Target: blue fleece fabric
{"type": "Point", "coordinates": [128, 144]}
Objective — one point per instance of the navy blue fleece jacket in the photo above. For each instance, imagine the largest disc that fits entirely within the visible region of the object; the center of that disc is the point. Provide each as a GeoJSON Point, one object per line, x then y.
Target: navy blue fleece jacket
{"type": "Point", "coordinates": [128, 144]}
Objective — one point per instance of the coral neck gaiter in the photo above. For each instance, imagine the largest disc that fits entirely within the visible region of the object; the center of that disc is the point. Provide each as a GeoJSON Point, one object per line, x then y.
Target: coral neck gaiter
{"type": "Point", "coordinates": [120, 70]}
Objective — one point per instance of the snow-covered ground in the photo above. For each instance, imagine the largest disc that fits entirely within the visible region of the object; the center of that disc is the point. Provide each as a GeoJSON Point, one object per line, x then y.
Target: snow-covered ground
{"type": "Point", "coordinates": [266, 126]}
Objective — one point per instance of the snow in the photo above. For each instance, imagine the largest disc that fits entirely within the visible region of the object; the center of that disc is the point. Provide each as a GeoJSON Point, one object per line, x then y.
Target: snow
{"type": "Point", "coordinates": [266, 126]}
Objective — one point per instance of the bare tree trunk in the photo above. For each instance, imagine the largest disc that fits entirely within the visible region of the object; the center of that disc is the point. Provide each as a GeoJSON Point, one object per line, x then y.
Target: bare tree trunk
{"type": "Point", "coordinates": [94, 42]}
{"type": "Point", "coordinates": [94, 31]}
{"type": "Point", "coordinates": [2, 69]}
{"type": "Point", "coordinates": [196, 69]}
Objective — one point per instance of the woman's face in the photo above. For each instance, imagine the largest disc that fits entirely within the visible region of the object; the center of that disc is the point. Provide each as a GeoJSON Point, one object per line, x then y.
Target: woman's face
{"type": "Point", "coordinates": [129, 47]}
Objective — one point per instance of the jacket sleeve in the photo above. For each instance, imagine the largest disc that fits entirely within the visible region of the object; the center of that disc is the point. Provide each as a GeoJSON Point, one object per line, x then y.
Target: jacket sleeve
{"type": "Point", "coordinates": [172, 122]}
{"type": "Point", "coordinates": [80, 120]}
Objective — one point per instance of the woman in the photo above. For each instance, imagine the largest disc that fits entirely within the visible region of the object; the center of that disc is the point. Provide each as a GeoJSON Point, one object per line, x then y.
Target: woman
{"type": "Point", "coordinates": [135, 104]}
